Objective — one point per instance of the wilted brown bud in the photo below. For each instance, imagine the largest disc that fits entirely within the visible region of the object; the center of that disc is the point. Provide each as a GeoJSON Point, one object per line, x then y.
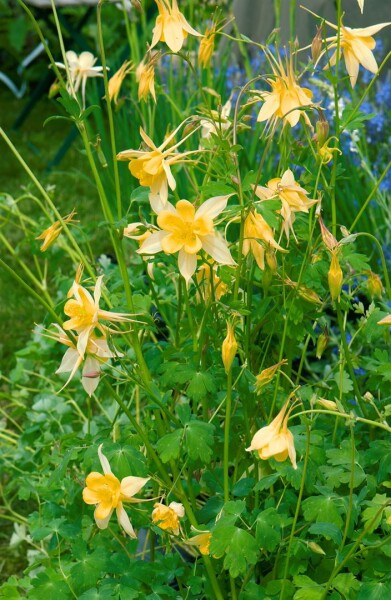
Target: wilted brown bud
{"type": "Point", "coordinates": [328, 239]}
{"type": "Point", "coordinates": [322, 342]}
{"type": "Point", "coordinates": [322, 129]}
{"type": "Point", "coordinates": [316, 45]}
{"type": "Point", "coordinates": [335, 277]}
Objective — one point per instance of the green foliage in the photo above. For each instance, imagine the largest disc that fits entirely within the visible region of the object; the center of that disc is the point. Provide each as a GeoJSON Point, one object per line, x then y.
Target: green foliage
{"type": "Point", "coordinates": [239, 523]}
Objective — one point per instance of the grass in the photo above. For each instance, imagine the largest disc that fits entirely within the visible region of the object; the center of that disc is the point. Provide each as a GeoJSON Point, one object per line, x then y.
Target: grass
{"type": "Point", "coordinates": [70, 186]}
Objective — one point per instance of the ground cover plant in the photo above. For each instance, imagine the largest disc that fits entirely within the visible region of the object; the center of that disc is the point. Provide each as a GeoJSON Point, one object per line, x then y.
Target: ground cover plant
{"type": "Point", "coordinates": [203, 411]}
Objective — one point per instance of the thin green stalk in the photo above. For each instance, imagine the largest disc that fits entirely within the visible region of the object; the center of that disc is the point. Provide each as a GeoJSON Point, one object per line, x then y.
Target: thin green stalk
{"type": "Point", "coordinates": [348, 360]}
{"type": "Point", "coordinates": [373, 192]}
{"type": "Point", "coordinates": [47, 199]}
{"type": "Point", "coordinates": [351, 487]}
{"type": "Point", "coordinates": [34, 294]}
{"type": "Point", "coordinates": [297, 511]}
{"type": "Point", "coordinates": [140, 432]}
{"type": "Point", "coordinates": [349, 416]}
{"type": "Point", "coordinates": [109, 114]}
{"type": "Point", "coordinates": [228, 409]}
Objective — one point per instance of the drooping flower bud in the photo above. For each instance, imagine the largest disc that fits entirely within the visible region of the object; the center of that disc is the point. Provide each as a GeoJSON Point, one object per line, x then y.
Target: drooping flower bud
{"type": "Point", "coordinates": [322, 129]}
{"type": "Point", "coordinates": [374, 284]}
{"type": "Point", "coordinates": [328, 239]}
{"type": "Point", "coordinates": [335, 277]}
{"type": "Point", "coordinates": [316, 45]}
{"type": "Point", "coordinates": [229, 348]}
{"type": "Point", "coordinates": [267, 375]}
{"type": "Point", "coordinates": [322, 342]}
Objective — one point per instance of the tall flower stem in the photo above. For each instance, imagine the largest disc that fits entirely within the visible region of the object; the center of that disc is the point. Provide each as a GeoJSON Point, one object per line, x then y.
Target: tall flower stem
{"type": "Point", "coordinates": [297, 511]}
{"type": "Point", "coordinates": [228, 409]}
{"type": "Point", "coordinates": [109, 114]}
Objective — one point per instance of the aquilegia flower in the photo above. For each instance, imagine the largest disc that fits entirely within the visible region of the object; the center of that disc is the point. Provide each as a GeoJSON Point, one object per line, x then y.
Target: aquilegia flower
{"type": "Point", "coordinates": [81, 67]}
{"type": "Point", "coordinates": [187, 231]}
{"type": "Point", "coordinates": [201, 541]}
{"type": "Point", "coordinates": [258, 236]}
{"type": "Point", "coordinates": [108, 493]}
{"type": "Point", "coordinates": [167, 517]}
{"type": "Point", "coordinates": [50, 234]}
{"type": "Point", "coordinates": [385, 321]}
{"type": "Point", "coordinates": [171, 26]}
{"type": "Point", "coordinates": [153, 167]}
{"type": "Point", "coordinates": [115, 82]}
{"type": "Point", "coordinates": [286, 98]}
{"type": "Point", "coordinates": [97, 353]}
{"type": "Point", "coordinates": [84, 313]}
{"type": "Point", "coordinates": [145, 75]}
{"type": "Point", "coordinates": [357, 46]}
{"type": "Point", "coordinates": [293, 198]}
{"type": "Point", "coordinates": [275, 440]}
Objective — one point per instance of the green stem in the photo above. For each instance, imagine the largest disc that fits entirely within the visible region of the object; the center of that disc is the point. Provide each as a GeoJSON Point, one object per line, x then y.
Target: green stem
{"type": "Point", "coordinates": [373, 192]}
{"type": "Point", "coordinates": [298, 505]}
{"type": "Point", "coordinates": [227, 423]}
{"type": "Point", "coordinates": [109, 114]}
{"type": "Point", "coordinates": [338, 414]}
{"type": "Point", "coordinates": [348, 359]}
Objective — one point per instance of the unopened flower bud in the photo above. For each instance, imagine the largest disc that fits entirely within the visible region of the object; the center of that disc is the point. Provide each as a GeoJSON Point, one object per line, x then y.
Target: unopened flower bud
{"type": "Point", "coordinates": [322, 130]}
{"type": "Point", "coordinates": [271, 259]}
{"type": "Point", "coordinates": [229, 348]}
{"type": "Point", "coordinates": [328, 239]}
{"type": "Point", "coordinates": [368, 397]}
{"type": "Point", "coordinates": [328, 404]}
{"type": "Point", "coordinates": [267, 375]}
{"type": "Point", "coordinates": [316, 46]}
{"type": "Point", "coordinates": [316, 548]}
{"type": "Point", "coordinates": [374, 284]}
{"type": "Point", "coordinates": [322, 343]}
{"type": "Point", "coordinates": [309, 294]}
{"type": "Point", "coordinates": [54, 89]}
{"type": "Point", "coordinates": [335, 277]}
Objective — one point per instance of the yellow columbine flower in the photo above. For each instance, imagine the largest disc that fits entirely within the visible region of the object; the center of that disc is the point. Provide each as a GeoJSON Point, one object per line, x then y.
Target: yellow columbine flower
{"type": "Point", "coordinates": [229, 347]}
{"type": "Point", "coordinates": [50, 234]}
{"type": "Point", "coordinates": [153, 167]}
{"type": "Point", "coordinates": [293, 198]}
{"type": "Point", "coordinates": [202, 541]}
{"type": "Point", "coordinates": [267, 375]}
{"type": "Point", "coordinates": [257, 230]}
{"type": "Point", "coordinates": [145, 75]}
{"type": "Point", "coordinates": [81, 67]}
{"type": "Point", "coordinates": [275, 440]}
{"type": "Point", "coordinates": [357, 46]}
{"type": "Point", "coordinates": [171, 26]}
{"type": "Point", "coordinates": [108, 493]}
{"type": "Point", "coordinates": [286, 97]}
{"type": "Point", "coordinates": [115, 82]}
{"type": "Point", "coordinates": [84, 313]}
{"type": "Point", "coordinates": [97, 353]}
{"type": "Point", "coordinates": [207, 44]}
{"type": "Point", "coordinates": [167, 517]}
{"type": "Point", "coordinates": [187, 231]}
